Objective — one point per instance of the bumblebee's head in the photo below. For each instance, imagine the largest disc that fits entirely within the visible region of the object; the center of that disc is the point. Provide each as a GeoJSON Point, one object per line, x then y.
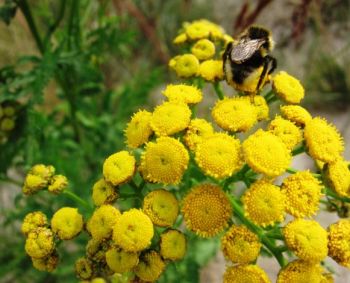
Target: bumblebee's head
{"type": "Point", "coordinates": [258, 32]}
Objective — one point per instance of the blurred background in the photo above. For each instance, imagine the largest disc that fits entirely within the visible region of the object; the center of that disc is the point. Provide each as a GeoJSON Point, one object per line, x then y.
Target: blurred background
{"type": "Point", "coordinates": [80, 68]}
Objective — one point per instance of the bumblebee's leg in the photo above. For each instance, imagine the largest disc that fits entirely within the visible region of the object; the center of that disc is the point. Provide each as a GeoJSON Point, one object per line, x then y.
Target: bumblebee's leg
{"type": "Point", "coordinates": [273, 63]}
{"type": "Point", "coordinates": [267, 60]}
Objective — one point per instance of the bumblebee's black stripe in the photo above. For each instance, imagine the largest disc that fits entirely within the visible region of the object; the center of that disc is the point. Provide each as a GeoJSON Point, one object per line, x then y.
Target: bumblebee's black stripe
{"type": "Point", "coordinates": [255, 32]}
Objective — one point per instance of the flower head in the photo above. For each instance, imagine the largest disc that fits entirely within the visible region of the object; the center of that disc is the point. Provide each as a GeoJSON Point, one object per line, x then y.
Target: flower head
{"type": "Point", "coordinates": [261, 107]}
{"type": "Point", "coordinates": [197, 131]}
{"type": "Point", "coordinates": [299, 271]}
{"type": "Point", "coordinates": [84, 268]}
{"type": "Point", "coordinates": [185, 66]}
{"type": "Point", "coordinates": [307, 239]}
{"type": "Point", "coordinates": [32, 221]}
{"type": "Point", "coordinates": [288, 87]}
{"type": "Point", "coordinates": [38, 178]}
{"type": "Point", "coordinates": [47, 264]}
{"type": "Point", "coordinates": [121, 261]}
{"type": "Point", "coordinates": [203, 29]}
{"type": "Point", "coordinates": [162, 207]}
{"type": "Point", "coordinates": [265, 153]}
{"type": "Point", "coordinates": [219, 155]}
{"type": "Point", "coordinates": [183, 93]}
{"type": "Point", "coordinates": [264, 203]}
{"type": "Point", "coordinates": [150, 266]}
{"type": "Point", "coordinates": [338, 175]}
{"type": "Point", "coordinates": [96, 249]}
{"type": "Point", "coordinates": [296, 114]}
{"type": "Point", "coordinates": [164, 161]}
{"type": "Point", "coordinates": [245, 274]}
{"type": "Point", "coordinates": [339, 242]}
{"type": "Point", "coordinates": [172, 245]}
{"type": "Point", "coordinates": [57, 184]}
{"type": "Point", "coordinates": [67, 222]}
{"type": "Point", "coordinates": [206, 210]}
{"type": "Point", "coordinates": [138, 130]}
{"type": "Point", "coordinates": [133, 231]}
{"type": "Point", "coordinates": [180, 39]}
{"type": "Point", "coordinates": [211, 70]}
{"type": "Point", "coordinates": [103, 193]}
{"type": "Point", "coordinates": [119, 167]}
{"type": "Point", "coordinates": [40, 243]}
{"type": "Point", "coordinates": [240, 245]}
{"type": "Point", "coordinates": [203, 49]}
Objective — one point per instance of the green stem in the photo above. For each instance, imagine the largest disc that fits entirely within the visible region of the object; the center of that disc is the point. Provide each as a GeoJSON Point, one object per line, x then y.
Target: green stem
{"type": "Point", "coordinates": [331, 193]}
{"type": "Point", "coordinates": [269, 94]}
{"type": "Point", "coordinates": [218, 89]}
{"type": "Point", "coordinates": [293, 171]}
{"type": "Point", "coordinates": [56, 23]}
{"type": "Point", "coordinates": [194, 111]}
{"type": "Point", "coordinates": [271, 99]}
{"type": "Point", "coordinates": [298, 150]}
{"type": "Point", "coordinates": [74, 197]}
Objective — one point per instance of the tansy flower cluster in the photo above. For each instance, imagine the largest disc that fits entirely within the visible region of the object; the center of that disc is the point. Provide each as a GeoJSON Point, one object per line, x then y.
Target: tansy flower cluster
{"type": "Point", "coordinates": [184, 176]}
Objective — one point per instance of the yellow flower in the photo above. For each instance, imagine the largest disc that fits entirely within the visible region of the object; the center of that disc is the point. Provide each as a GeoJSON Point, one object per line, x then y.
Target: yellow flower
{"type": "Point", "coordinates": [47, 264]}
{"type": "Point", "coordinates": [323, 140]}
{"type": "Point", "coordinates": [303, 193]}
{"type": "Point", "coordinates": [327, 278]}
{"type": "Point", "coordinates": [288, 88]}
{"type": "Point", "coordinates": [33, 184]}
{"type": "Point", "coordinates": [162, 207]}
{"type": "Point", "coordinates": [7, 124]}
{"type": "Point", "coordinates": [96, 249]}
{"type": "Point", "coordinates": [150, 266]}
{"type": "Point", "coordinates": [119, 167]}
{"type": "Point", "coordinates": [67, 223]}
{"type": "Point", "coordinates": [245, 274]}
{"type": "Point", "coordinates": [84, 268]}
{"type": "Point", "coordinates": [338, 175]}
{"type": "Point", "coordinates": [185, 66]}
{"type": "Point", "coordinates": [206, 210]}
{"type": "Point", "coordinates": [121, 261]}
{"type": "Point", "coordinates": [339, 242]}
{"type": "Point", "coordinates": [181, 38]}
{"type": "Point", "coordinates": [264, 203]}
{"type": "Point", "coordinates": [57, 184]}
{"type": "Point", "coordinates": [170, 118]}
{"type": "Point", "coordinates": [299, 271]}
{"type": "Point", "coordinates": [102, 221]}
{"type": "Point", "coordinates": [203, 29]}
{"type": "Point", "coordinates": [307, 239]}
{"type": "Point", "coordinates": [234, 114]}
{"type": "Point", "coordinates": [265, 153]}
{"type": "Point", "coordinates": [296, 114]}
{"type": "Point", "coordinates": [197, 131]}
{"type": "Point", "coordinates": [44, 171]}
{"type": "Point", "coordinates": [172, 245]}
{"type": "Point", "coordinates": [240, 245]}
{"type": "Point", "coordinates": [32, 221]}
{"type": "Point", "coordinates": [211, 70]}
{"type": "Point", "coordinates": [40, 243]}
{"type": "Point", "coordinates": [139, 129]}
{"type": "Point", "coordinates": [164, 161]}
{"type": "Point", "coordinates": [133, 231]}
{"type": "Point", "coordinates": [219, 155]}
{"type": "Point", "coordinates": [103, 193]}
{"type": "Point", "coordinates": [289, 133]}
{"type": "Point", "coordinates": [203, 49]}
{"type": "Point", "coordinates": [261, 107]}
{"type": "Point", "coordinates": [183, 93]}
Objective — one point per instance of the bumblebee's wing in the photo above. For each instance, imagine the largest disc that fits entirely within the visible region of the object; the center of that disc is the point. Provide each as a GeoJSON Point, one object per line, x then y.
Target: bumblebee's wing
{"type": "Point", "coordinates": [245, 49]}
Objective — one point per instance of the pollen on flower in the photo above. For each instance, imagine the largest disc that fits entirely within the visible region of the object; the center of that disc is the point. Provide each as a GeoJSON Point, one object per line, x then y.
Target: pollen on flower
{"type": "Point", "coordinates": [211, 70]}
{"type": "Point", "coordinates": [300, 271]}
{"type": "Point", "coordinates": [103, 193]}
{"type": "Point", "coordinates": [121, 261]}
{"type": "Point", "coordinates": [219, 155]}
{"type": "Point", "coordinates": [138, 130]}
{"type": "Point", "coordinates": [307, 239]}
{"type": "Point", "coordinates": [261, 107]}
{"type": "Point", "coordinates": [206, 210]}
{"type": "Point", "coordinates": [170, 118]}
{"type": "Point", "coordinates": [240, 245]}
{"type": "Point", "coordinates": [338, 242]}
{"type": "Point", "coordinates": [183, 93]}
{"type": "Point", "coordinates": [303, 193]}
{"type": "Point", "coordinates": [323, 140]}
{"type": "Point", "coordinates": [185, 66]}
{"type": "Point", "coordinates": [197, 131]}
{"type": "Point", "coordinates": [245, 273]}
{"type": "Point", "coordinates": [338, 175]}
{"type": "Point", "coordinates": [40, 243]}
{"type": "Point", "coordinates": [234, 114]}
{"type": "Point", "coordinates": [133, 231]}
{"type": "Point", "coordinates": [203, 49]}
{"type": "Point", "coordinates": [288, 87]}
{"type": "Point", "coordinates": [57, 184]}
{"type": "Point", "coordinates": [150, 266]}
{"type": "Point", "coordinates": [296, 114]}
{"type": "Point", "coordinates": [172, 245]}
{"type": "Point", "coordinates": [164, 161]}
{"type": "Point", "coordinates": [162, 207]}
{"type": "Point", "coordinates": [265, 153]}
{"type": "Point", "coordinates": [264, 203]}
{"type": "Point", "coordinates": [67, 222]}
{"type": "Point", "coordinates": [32, 221]}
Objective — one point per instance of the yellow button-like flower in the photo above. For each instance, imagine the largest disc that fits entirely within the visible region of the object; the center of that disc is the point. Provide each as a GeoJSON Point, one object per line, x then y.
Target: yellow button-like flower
{"type": "Point", "coordinates": [33, 183]}
{"type": "Point", "coordinates": [185, 66]}
{"type": "Point", "coordinates": [323, 140]}
{"type": "Point", "coordinates": [121, 261]}
{"type": "Point", "coordinates": [299, 271]}
{"type": "Point", "coordinates": [289, 133]}
{"type": "Point", "coordinates": [57, 184]}
{"type": "Point", "coordinates": [84, 268]}
{"type": "Point", "coordinates": [172, 245]}
{"type": "Point", "coordinates": [96, 249]}
{"type": "Point", "coordinates": [203, 49]}
{"type": "Point", "coordinates": [296, 114]}
{"type": "Point", "coordinates": [303, 193]}
{"type": "Point", "coordinates": [339, 242]}
{"type": "Point", "coordinates": [219, 155]}
{"type": "Point", "coordinates": [211, 70]}
{"type": "Point", "coordinates": [261, 107]}
{"type": "Point", "coordinates": [139, 129]}
{"type": "Point", "coordinates": [288, 88]}
{"type": "Point", "coordinates": [264, 203]}
{"type": "Point", "coordinates": [133, 231]}
{"type": "Point", "coordinates": [307, 239]}
{"type": "Point", "coordinates": [338, 175]}
{"type": "Point", "coordinates": [203, 29]}
{"type": "Point", "coordinates": [245, 274]}
{"type": "Point", "coordinates": [40, 243]}
{"type": "Point", "coordinates": [67, 223]}
{"type": "Point", "coordinates": [103, 193]}
{"type": "Point", "coordinates": [102, 221]}
{"type": "Point", "coordinates": [150, 266]}
{"type": "Point", "coordinates": [183, 93]}
{"type": "Point", "coordinates": [164, 161]}
{"type": "Point", "coordinates": [170, 118]}
{"type": "Point", "coordinates": [181, 38]}
{"type": "Point", "coordinates": [119, 167]}
{"type": "Point", "coordinates": [32, 221]}
{"type": "Point", "coordinates": [198, 130]}
{"type": "Point", "coordinates": [234, 114]}
{"type": "Point", "coordinates": [162, 207]}
{"type": "Point", "coordinates": [44, 171]}
{"type": "Point", "coordinates": [206, 210]}
{"type": "Point", "coordinates": [265, 153]}
{"type": "Point", "coordinates": [47, 264]}
{"type": "Point", "coordinates": [240, 245]}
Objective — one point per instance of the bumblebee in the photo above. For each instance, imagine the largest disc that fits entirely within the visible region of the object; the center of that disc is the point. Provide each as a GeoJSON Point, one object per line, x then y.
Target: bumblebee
{"type": "Point", "coordinates": [247, 62]}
